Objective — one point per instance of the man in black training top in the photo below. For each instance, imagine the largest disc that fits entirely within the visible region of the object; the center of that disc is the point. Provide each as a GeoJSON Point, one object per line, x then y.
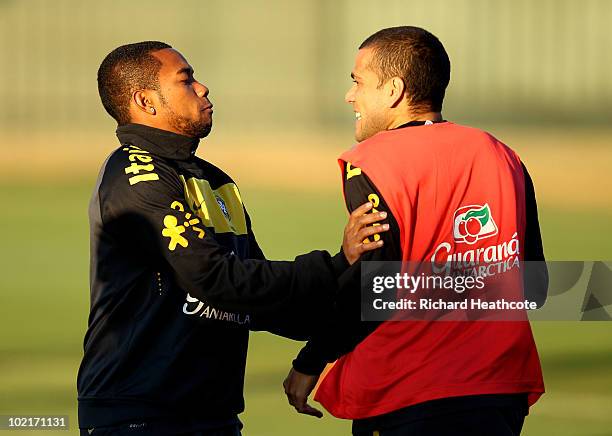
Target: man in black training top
{"type": "Point", "coordinates": [177, 277]}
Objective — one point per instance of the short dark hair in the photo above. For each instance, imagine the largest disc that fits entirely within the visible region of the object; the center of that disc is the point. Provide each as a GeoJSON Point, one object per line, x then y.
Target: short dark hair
{"type": "Point", "coordinates": [418, 58]}
{"type": "Point", "coordinates": [125, 70]}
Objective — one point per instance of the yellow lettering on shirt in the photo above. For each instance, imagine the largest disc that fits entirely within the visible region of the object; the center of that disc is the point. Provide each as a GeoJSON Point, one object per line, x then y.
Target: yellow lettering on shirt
{"type": "Point", "coordinates": [375, 200]}
{"type": "Point", "coordinates": [143, 178]}
{"type": "Point", "coordinates": [134, 149]}
{"type": "Point", "coordinates": [137, 168]}
{"type": "Point", "coordinates": [138, 155]}
{"type": "Point", "coordinates": [352, 171]}
{"type": "Point", "coordinates": [176, 205]}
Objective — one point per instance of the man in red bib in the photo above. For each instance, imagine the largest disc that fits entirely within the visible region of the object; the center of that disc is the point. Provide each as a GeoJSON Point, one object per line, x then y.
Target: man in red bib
{"type": "Point", "coordinates": [416, 377]}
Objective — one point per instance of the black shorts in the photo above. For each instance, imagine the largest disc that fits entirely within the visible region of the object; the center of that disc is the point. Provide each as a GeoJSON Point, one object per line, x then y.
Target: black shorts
{"type": "Point", "coordinates": [475, 415]}
{"type": "Point", "coordinates": [498, 421]}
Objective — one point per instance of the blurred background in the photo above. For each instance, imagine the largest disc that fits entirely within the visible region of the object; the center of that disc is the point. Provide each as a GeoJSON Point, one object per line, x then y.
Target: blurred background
{"type": "Point", "coordinates": [536, 74]}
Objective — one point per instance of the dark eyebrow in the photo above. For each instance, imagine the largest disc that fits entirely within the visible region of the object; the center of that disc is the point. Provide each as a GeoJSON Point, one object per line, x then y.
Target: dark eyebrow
{"type": "Point", "coordinates": [352, 76]}
{"type": "Point", "coordinates": [186, 70]}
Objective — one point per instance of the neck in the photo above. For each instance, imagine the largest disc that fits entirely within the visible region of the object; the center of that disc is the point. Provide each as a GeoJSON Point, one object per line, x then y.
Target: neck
{"type": "Point", "coordinates": [152, 122]}
{"type": "Point", "coordinates": [411, 116]}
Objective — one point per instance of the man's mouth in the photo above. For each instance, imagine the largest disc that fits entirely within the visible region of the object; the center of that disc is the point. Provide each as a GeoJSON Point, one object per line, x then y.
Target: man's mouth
{"type": "Point", "coordinates": [357, 116]}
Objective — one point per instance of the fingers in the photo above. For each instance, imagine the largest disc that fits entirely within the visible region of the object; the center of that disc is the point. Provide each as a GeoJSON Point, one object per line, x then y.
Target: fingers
{"type": "Point", "coordinates": [307, 409]}
{"type": "Point", "coordinates": [361, 210]}
{"type": "Point", "coordinates": [361, 218]}
{"type": "Point", "coordinates": [297, 394]}
{"type": "Point", "coordinates": [372, 230]}
{"type": "Point", "coordinates": [369, 246]}
{"type": "Point", "coordinates": [360, 226]}
{"type": "Point", "coordinates": [370, 218]}
{"type": "Point", "coordinates": [301, 406]}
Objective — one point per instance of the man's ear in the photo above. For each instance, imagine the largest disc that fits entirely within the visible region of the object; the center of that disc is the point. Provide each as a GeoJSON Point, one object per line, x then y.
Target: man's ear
{"type": "Point", "coordinates": [395, 91]}
{"type": "Point", "coordinates": [143, 101]}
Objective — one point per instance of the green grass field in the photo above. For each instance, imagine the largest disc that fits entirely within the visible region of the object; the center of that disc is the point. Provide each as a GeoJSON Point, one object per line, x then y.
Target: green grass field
{"type": "Point", "coordinates": [44, 302]}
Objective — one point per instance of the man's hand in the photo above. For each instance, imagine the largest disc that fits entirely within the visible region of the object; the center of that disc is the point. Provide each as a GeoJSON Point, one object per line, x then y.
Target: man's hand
{"type": "Point", "coordinates": [298, 387]}
{"type": "Point", "coordinates": [358, 229]}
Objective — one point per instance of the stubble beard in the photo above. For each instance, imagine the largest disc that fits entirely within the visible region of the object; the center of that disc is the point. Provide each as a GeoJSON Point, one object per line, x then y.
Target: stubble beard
{"type": "Point", "coordinates": [193, 129]}
{"type": "Point", "coordinates": [187, 127]}
{"type": "Point", "coordinates": [370, 128]}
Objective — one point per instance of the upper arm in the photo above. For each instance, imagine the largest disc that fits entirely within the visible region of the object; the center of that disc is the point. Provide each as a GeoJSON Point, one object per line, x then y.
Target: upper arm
{"type": "Point", "coordinates": [534, 250]}
{"type": "Point", "coordinates": [535, 275]}
{"type": "Point", "coordinates": [359, 189]}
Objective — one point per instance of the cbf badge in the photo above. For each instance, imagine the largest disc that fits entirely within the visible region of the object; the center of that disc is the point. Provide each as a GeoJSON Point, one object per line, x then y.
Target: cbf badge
{"type": "Point", "coordinates": [174, 230]}
{"type": "Point", "coordinates": [223, 207]}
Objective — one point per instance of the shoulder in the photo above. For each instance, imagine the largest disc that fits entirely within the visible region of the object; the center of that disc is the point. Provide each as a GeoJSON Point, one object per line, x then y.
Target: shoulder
{"type": "Point", "coordinates": [461, 131]}
{"type": "Point", "coordinates": [495, 143]}
{"type": "Point", "coordinates": [357, 151]}
{"type": "Point", "coordinates": [132, 170]}
{"type": "Point", "coordinates": [215, 175]}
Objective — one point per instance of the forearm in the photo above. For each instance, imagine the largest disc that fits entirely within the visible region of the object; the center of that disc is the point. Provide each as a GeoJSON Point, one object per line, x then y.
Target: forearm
{"type": "Point", "coordinates": [300, 321]}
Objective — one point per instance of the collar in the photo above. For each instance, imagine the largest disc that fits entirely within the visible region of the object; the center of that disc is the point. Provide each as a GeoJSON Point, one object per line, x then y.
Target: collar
{"type": "Point", "coordinates": [418, 123]}
{"type": "Point", "coordinates": [159, 142]}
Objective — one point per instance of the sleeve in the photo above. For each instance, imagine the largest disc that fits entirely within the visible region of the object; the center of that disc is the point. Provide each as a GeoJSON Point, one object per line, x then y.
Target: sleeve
{"type": "Point", "coordinates": [150, 218]}
{"type": "Point", "coordinates": [293, 322]}
{"type": "Point", "coordinates": [341, 332]}
{"type": "Point", "coordinates": [255, 251]}
{"type": "Point", "coordinates": [535, 272]}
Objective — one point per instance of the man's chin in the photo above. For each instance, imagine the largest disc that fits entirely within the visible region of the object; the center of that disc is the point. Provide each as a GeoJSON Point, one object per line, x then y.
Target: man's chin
{"type": "Point", "coordinates": [360, 136]}
{"type": "Point", "coordinates": [361, 132]}
{"type": "Point", "coordinates": [196, 131]}
{"type": "Point", "coordinates": [204, 132]}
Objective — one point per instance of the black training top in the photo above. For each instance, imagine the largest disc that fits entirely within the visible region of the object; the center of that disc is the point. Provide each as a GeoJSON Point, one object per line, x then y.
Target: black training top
{"type": "Point", "coordinates": [177, 280]}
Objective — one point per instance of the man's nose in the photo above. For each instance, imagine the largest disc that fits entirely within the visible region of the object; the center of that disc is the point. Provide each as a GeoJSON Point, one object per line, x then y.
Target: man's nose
{"type": "Point", "coordinates": [201, 90]}
{"type": "Point", "coordinates": [349, 97]}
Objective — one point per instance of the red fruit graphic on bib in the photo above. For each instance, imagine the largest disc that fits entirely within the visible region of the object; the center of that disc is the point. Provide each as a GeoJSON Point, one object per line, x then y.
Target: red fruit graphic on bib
{"type": "Point", "coordinates": [462, 228]}
{"type": "Point", "coordinates": [473, 226]}
{"type": "Point", "coordinates": [474, 222]}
